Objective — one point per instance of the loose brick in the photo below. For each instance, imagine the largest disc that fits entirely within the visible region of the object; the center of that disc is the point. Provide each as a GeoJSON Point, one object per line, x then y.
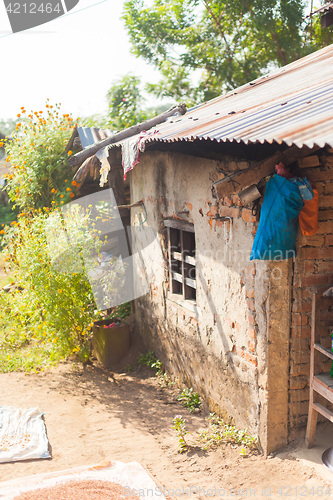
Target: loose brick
{"type": "Point", "coordinates": [229, 212]}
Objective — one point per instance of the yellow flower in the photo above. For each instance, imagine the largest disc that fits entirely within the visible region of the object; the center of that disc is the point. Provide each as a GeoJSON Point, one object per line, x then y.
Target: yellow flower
{"type": "Point", "coordinates": [70, 152]}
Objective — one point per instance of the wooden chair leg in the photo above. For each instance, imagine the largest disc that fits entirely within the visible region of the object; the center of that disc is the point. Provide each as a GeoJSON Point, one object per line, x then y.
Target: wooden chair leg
{"type": "Point", "coordinates": [311, 427]}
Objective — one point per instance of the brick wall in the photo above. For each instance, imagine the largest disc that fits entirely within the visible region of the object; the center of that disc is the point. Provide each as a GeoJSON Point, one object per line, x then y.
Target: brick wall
{"type": "Point", "coordinates": [313, 271]}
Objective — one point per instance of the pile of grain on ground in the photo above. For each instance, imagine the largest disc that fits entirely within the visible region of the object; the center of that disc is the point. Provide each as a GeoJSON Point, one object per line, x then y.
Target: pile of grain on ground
{"type": "Point", "coordinates": [80, 490]}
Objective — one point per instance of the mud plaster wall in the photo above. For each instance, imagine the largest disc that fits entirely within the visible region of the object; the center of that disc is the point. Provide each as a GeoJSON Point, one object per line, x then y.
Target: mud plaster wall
{"type": "Point", "coordinates": [313, 272]}
{"type": "Point", "coordinates": [220, 346]}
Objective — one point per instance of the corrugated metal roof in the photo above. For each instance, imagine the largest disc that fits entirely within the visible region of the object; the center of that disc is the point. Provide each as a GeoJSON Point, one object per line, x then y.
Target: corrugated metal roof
{"type": "Point", "coordinates": [322, 9]}
{"type": "Point", "coordinates": [92, 135]}
{"type": "Point", "coordinates": [293, 104]}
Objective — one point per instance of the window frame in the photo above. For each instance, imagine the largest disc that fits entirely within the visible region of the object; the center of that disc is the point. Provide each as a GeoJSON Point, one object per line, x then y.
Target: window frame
{"type": "Point", "coordinates": [181, 285]}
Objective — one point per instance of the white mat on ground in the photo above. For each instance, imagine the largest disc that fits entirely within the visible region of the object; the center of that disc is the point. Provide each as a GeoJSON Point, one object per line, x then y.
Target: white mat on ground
{"type": "Point", "coordinates": [131, 476]}
{"type": "Point", "coordinates": [22, 435]}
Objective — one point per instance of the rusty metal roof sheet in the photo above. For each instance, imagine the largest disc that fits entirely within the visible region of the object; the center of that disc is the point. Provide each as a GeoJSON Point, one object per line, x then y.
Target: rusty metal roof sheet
{"type": "Point", "coordinates": [292, 105]}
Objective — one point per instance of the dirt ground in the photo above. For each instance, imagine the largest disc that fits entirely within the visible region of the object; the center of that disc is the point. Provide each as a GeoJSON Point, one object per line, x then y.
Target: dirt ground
{"type": "Point", "coordinates": [95, 414]}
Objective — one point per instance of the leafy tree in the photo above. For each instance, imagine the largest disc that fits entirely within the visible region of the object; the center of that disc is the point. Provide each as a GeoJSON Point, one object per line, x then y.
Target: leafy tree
{"type": "Point", "coordinates": [220, 44]}
{"type": "Point", "coordinates": [127, 105]}
{"type": "Point", "coordinates": [125, 102]}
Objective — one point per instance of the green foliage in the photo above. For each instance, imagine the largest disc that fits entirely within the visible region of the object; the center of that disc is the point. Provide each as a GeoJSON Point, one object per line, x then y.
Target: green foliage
{"type": "Point", "coordinates": [120, 312]}
{"type": "Point", "coordinates": [37, 154]}
{"type": "Point", "coordinates": [149, 359]}
{"type": "Point", "coordinates": [125, 103]}
{"type": "Point", "coordinates": [220, 432]}
{"type": "Point", "coordinates": [219, 45]}
{"type": "Point", "coordinates": [179, 425]}
{"type": "Point", "coordinates": [190, 399]}
{"type": "Point", "coordinates": [127, 106]}
{"type": "Point", "coordinates": [52, 305]}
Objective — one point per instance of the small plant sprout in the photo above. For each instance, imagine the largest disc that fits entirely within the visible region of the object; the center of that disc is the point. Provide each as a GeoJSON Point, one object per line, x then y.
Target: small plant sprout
{"type": "Point", "coordinates": [179, 425]}
{"type": "Point", "coordinates": [190, 399]}
{"type": "Point", "coordinates": [220, 432]}
{"type": "Point", "coordinates": [149, 359]}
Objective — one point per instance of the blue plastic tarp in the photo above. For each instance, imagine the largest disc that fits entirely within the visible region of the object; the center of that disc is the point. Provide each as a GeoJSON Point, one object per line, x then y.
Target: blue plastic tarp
{"type": "Point", "coordinates": [277, 231]}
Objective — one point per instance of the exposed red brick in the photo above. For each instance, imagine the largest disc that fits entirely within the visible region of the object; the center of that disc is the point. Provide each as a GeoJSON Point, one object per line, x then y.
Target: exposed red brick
{"type": "Point", "coordinates": [326, 201]}
{"type": "Point", "coordinates": [329, 240]}
{"type": "Point", "coordinates": [247, 215]}
{"type": "Point", "coordinates": [316, 240]}
{"type": "Point", "coordinates": [316, 253]}
{"type": "Point", "coordinates": [251, 318]}
{"type": "Point", "coordinates": [236, 200]}
{"type": "Point", "coordinates": [250, 304]}
{"type": "Point", "coordinates": [296, 319]}
{"type": "Point", "coordinates": [329, 188]}
{"type": "Point", "coordinates": [298, 383]}
{"type": "Point", "coordinates": [212, 211]}
{"type": "Point", "coordinates": [222, 223]}
{"type": "Point", "coordinates": [299, 369]}
{"type": "Point", "coordinates": [251, 359]}
{"type": "Point", "coordinates": [229, 212]}
{"type": "Point", "coordinates": [252, 346]}
{"type": "Point", "coordinates": [238, 351]}
{"type": "Point", "coordinates": [301, 332]}
{"type": "Point", "coordinates": [251, 333]}
{"type": "Point", "coordinates": [299, 319]}
{"type": "Point", "coordinates": [318, 279]}
{"type": "Point", "coordinates": [317, 175]}
{"type": "Point", "coordinates": [227, 201]}
{"type": "Point", "coordinates": [325, 215]}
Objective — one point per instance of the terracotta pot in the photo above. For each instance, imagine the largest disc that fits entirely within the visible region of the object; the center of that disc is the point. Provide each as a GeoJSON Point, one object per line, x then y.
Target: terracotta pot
{"type": "Point", "coordinates": [110, 344]}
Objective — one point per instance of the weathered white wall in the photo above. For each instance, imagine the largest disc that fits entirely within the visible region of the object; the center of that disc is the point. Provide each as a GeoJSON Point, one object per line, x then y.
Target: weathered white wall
{"type": "Point", "coordinates": [220, 347]}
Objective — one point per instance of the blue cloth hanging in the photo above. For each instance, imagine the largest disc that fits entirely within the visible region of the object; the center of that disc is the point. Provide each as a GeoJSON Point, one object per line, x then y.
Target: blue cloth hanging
{"type": "Point", "coordinates": [278, 225]}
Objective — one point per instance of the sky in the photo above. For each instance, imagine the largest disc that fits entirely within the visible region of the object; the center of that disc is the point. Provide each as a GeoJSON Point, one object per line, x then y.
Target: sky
{"type": "Point", "coordinates": [72, 60]}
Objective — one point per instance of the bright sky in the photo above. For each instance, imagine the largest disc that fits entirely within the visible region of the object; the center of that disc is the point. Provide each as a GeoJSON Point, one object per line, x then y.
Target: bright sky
{"type": "Point", "coordinates": [72, 59]}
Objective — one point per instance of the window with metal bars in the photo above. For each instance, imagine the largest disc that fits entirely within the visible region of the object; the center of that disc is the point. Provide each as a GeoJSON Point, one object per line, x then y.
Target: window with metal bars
{"type": "Point", "coordinates": [181, 256]}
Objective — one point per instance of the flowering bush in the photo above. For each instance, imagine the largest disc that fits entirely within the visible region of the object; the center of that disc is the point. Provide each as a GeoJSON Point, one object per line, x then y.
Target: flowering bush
{"type": "Point", "coordinates": [36, 151]}
{"type": "Point", "coordinates": [52, 303]}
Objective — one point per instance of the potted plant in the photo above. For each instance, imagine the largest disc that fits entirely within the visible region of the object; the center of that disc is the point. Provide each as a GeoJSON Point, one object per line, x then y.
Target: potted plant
{"type": "Point", "coordinates": [111, 337]}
